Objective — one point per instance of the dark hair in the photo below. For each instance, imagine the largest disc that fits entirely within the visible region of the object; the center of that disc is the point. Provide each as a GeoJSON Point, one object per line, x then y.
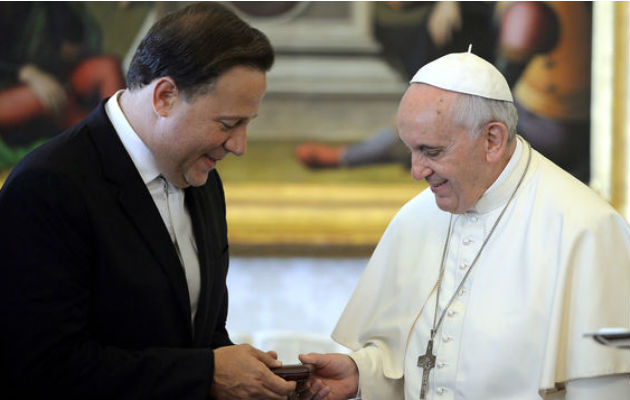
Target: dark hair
{"type": "Point", "coordinates": [195, 45]}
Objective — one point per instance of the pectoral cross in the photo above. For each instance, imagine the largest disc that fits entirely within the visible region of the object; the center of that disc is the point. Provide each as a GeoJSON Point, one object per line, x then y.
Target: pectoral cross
{"type": "Point", "coordinates": [426, 362]}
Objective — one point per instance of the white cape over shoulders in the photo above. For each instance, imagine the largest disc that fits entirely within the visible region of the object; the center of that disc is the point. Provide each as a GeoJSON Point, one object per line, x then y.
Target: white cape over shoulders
{"type": "Point", "coordinates": [565, 270]}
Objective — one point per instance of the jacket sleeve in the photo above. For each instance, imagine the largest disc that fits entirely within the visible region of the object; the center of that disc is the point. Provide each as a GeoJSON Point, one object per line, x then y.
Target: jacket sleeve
{"type": "Point", "coordinates": [46, 347]}
{"type": "Point", "coordinates": [220, 337]}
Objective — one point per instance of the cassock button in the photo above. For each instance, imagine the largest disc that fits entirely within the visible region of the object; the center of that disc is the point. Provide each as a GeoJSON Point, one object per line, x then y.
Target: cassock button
{"type": "Point", "coordinates": [467, 241]}
{"type": "Point", "coordinates": [441, 364]}
{"type": "Point", "coordinates": [447, 338]}
{"type": "Point", "coordinates": [440, 391]}
{"type": "Point", "coordinates": [451, 313]}
{"type": "Point", "coordinates": [474, 219]}
{"type": "Point", "coordinates": [463, 266]}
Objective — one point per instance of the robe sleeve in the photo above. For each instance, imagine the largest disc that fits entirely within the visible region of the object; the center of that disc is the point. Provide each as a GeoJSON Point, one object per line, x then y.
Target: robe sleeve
{"type": "Point", "coordinates": [365, 318]}
{"type": "Point", "coordinates": [591, 293]}
{"type": "Point", "coordinates": [384, 306]}
{"type": "Point", "coordinates": [603, 387]}
{"type": "Point", "coordinates": [374, 385]}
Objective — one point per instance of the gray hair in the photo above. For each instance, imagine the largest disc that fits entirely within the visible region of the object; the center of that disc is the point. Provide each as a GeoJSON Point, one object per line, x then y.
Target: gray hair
{"type": "Point", "coordinates": [474, 112]}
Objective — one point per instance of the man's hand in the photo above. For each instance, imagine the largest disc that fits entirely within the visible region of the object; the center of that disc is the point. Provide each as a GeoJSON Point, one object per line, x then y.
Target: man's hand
{"type": "Point", "coordinates": [242, 372]}
{"type": "Point", "coordinates": [335, 377]}
{"type": "Point", "coordinates": [45, 87]}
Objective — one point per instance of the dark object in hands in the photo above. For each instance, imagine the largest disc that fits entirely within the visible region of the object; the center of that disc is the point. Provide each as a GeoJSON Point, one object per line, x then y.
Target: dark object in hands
{"type": "Point", "coordinates": [296, 372]}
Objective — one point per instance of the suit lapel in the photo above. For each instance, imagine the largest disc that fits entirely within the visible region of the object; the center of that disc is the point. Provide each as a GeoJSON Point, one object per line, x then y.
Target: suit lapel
{"type": "Point", "coordinates": [136, 201]}
{"type": "Point", "coordinates": [148, 221]}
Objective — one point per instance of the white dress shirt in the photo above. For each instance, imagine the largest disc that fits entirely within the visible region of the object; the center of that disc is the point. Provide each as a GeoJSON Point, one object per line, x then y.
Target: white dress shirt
{"type": "Point", "coordinates": [168, 199]}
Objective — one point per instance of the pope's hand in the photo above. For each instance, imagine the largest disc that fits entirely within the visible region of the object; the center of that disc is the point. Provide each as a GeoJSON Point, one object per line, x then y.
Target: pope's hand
{"type": "Point", "coordinates": [335, 377]}
{"type": "Point", "coordinates": [242, 372]}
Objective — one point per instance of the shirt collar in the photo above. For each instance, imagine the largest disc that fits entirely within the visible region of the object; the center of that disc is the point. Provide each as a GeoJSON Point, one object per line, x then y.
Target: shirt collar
{"type": "Point", "coordinates": [500, 191]}
{"type": "Point", "coordinates": [140, 154]}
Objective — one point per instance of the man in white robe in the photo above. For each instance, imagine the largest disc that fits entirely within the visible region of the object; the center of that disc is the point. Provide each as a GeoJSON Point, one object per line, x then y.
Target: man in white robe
{"type": "Point", "coordinates": [523, 257]}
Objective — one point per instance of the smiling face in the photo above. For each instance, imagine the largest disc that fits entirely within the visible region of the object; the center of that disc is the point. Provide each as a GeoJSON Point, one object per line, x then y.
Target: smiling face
{"type": "Point", "coordinates": [190, 137]}
{"type": "Point", "coordinates": [454, 164]}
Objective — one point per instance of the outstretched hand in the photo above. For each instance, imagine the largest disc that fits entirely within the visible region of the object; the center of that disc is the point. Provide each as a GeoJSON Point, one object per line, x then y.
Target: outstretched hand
{"type": "Point", "coordinates": [335, 377]}
{"type": "Point", "coordinates": [242, 372]}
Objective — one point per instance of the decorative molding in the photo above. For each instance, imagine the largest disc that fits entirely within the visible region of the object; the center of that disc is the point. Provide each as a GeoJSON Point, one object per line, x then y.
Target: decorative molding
{"type": "Point", "coordinates": [601, 95]}
{"type": "Point", "coordinates": [324, 49]}
{"type": "Point", "coordinates": [296, 218]}
{"type": "Point", "coordinates": [610, 110]}
{"type": "Point", "coordinates": [341, 27]}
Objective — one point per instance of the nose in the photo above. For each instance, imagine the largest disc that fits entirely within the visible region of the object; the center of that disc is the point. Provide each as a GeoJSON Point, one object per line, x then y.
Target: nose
{"type": "Point", "coordinates": [419, 169]}
{"type": "Point", "coordinates": [237, 142]}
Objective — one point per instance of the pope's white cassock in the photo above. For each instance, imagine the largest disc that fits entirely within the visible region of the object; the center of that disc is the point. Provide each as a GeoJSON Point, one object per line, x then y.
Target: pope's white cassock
{"type": "Point", "coordinates": [557, 266]}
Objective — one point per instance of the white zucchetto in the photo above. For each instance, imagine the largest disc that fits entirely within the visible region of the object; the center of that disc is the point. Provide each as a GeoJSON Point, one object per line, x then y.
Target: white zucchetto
{"type": "Point", "coordinates": [465, 73]}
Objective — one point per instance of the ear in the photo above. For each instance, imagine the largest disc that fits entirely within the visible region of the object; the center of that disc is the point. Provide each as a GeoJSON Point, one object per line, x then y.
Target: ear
{"type": "Point", "coordinates": [165, 94]}
{"type": "Point", "coordinates": [496, 141]}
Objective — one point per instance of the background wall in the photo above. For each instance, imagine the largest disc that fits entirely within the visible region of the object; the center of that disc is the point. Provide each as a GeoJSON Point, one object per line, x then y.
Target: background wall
{"type": "Point", "coordinates": [290, 305]}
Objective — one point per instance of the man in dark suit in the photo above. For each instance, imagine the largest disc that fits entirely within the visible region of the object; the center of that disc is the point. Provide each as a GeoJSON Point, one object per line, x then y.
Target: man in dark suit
{"type": "Point", "coordinates": [113, 239]}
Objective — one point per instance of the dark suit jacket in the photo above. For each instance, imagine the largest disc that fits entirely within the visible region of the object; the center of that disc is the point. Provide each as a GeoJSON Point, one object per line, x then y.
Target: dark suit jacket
{"type": "Point", "coordinates": [93, 298]}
